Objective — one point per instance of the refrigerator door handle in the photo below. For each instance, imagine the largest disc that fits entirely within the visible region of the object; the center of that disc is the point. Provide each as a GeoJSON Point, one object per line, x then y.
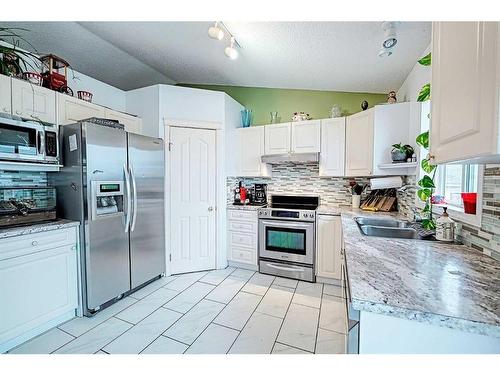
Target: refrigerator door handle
{"type": "Point", "coordinates": [129, 198]}
{"type": "Point", "coordinates": [134, 199]}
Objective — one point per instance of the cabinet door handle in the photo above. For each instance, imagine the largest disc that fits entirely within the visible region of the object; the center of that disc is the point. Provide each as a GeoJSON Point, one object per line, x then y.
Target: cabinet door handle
{"type": "Point", "coordinates": [34, 243]}
{"type": "Point", "coordinates": [73, 247]}
{"type": "Point", "coordinates": [19, 113]}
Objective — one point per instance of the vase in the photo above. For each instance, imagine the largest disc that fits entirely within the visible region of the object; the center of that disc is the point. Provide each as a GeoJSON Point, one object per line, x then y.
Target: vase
{"type": "Point", "coordinates": [246, 118]}
{"type": "Point", "coordinates": [356, 201]}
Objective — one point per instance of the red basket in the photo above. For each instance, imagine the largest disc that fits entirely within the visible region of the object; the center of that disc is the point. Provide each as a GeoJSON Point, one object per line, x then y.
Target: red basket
{"type": "Point", "coordinates": [469, 200]}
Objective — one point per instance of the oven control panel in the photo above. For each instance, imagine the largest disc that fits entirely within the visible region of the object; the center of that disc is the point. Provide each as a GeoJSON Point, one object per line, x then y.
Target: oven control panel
{"type": "Point", "coordinates": [286, 214]}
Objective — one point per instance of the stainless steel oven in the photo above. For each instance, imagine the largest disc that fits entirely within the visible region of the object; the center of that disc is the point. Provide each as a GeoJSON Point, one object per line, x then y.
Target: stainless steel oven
{"type": "Point", "coordinates": [28, 141]}
{"type": "Point", "coordinates": [287, 237]}
{"type": "Point", "coordinates": [291, 241]}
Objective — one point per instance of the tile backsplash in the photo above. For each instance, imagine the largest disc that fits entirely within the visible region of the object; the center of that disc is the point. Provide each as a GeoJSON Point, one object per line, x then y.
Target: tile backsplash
{"type": "Point", "coordinates": [301, 179]}
{"type": "Point", "coordinates": [22, 179]}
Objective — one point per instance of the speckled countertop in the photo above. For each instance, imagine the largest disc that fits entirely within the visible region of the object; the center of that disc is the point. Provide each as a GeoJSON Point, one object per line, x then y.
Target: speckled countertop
{"type": "Point", "coordinates": [37, 228]}
{"type": "Point", "coordinates": [449, 285]}
{"type": "Point", "coordinates": [244, 207]}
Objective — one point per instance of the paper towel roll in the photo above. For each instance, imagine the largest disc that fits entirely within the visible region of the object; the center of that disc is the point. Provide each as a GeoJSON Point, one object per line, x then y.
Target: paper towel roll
{"type": "Point", "coordinates": [386, 182]}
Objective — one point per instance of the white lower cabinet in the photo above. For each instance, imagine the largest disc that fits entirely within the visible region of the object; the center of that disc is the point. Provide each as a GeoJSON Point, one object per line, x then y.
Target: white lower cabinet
{"type": "Point", "coordinates": [242, 238]}
{"type": "Point", "coordinates": [329, 246]}
{"type": "Point", "coordinates": [38, 284]}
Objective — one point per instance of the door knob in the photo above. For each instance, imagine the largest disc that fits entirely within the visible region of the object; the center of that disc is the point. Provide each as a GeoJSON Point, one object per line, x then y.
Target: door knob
{"type": "Point", "coordinates": [210, 209]}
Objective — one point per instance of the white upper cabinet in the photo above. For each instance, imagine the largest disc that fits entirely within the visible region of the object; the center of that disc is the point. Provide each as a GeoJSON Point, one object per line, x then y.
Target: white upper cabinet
{"type": "Point", "coordinates": [295, 137]}
{"type": "Point", "coordinates": [33, 102]}
{"type": "Point", "coordinates": [5, 94]}
{"type": "Point", "coordinates": [251, 148]}
{"type": "Point", "coordinates": [465, 85]}
{"type": "Point", "coordinates": [306, 136]}
{"type": "Point", "coordinates": [332, 156]}
{"type": "Point", "coordinates": [131, 123]}
{"type": "Point", "coordinates": [277, 138]}
{"type": "Point", "coordinates": [72, 109]}
{"type": "Point", "coordinates": [359, 144]}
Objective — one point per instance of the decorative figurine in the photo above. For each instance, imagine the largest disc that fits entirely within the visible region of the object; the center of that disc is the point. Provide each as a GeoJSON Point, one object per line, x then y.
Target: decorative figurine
{"type": "Point", "coordinates": [391, 98]}
{"type": "Point", "coordinates": [364, 105]}
{"type": "Point", "coordinates": [300, 116]}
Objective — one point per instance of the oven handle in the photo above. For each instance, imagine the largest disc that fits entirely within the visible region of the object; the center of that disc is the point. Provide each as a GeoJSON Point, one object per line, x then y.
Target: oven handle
{"type": "Point", "coordinates": [287, 224]}
{"type": "Point", "coordinates": [282, 268]}
{"type": "Point", "coordinates": [39, 142]}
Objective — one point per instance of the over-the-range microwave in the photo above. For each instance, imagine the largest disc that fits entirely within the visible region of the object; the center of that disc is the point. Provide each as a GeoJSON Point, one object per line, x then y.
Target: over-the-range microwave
{"type": "Point", "coordinates": [28, 141]}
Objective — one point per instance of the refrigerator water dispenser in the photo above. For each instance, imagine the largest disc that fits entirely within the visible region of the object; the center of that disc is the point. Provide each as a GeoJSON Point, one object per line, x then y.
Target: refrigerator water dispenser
{"type": "Point", "coordinates": [107, 198]}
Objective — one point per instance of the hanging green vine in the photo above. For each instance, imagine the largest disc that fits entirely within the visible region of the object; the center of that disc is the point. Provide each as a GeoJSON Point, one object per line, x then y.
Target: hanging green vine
{"type": "Point", "coordinates": [426, 183]}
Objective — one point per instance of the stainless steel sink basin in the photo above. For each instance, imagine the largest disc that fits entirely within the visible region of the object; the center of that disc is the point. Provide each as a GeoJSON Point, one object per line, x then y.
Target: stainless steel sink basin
{"type": "Point", "coordinates": [379, 222]}
{"type": "Point", "coordinates": [390, 228]}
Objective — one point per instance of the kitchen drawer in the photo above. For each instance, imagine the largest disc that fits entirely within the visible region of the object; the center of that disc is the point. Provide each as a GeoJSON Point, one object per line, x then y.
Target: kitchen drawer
{"type": "Point", "coordinates": [241, 215]}
{"type": "Point", "coordinates": [243, 226]}
{"type": "Point", "coordinates": [242, 239]}
{"type": "Point", "coordinates": [31, 243]}
{"type": "Point", "coordinates": [243, 255]}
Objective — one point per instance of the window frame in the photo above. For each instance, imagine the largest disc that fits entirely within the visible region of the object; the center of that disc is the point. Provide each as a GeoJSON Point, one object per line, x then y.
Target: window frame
{"type": "Point", "coordinates": [457, 212]}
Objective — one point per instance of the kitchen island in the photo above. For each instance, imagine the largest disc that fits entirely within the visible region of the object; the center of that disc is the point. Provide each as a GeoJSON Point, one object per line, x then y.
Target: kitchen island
{"type": "Point", "coordinates": [415, 296]}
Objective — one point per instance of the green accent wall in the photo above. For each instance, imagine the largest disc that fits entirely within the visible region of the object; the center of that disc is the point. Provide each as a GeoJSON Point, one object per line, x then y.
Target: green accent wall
{"type": "Point", "coordinates": [287, 101]}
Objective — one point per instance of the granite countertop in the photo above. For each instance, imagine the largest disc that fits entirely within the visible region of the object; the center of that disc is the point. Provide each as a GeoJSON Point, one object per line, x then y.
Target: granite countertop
{"type": "Point", "coordinates": [244, 207]}
{"type": "Point", "coordinates": [449, 285]}
{"type": "Point", "coordinates": [37, 228]}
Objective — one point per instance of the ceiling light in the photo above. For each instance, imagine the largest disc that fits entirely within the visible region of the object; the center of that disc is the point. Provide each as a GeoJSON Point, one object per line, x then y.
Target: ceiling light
{"type": "Point", "coordinates": [390, 38]}
{"type": "Point", "coordinates": [384, 52]}
{"type": "Point", "coordinates": [215, 32]}
{"type": "Point", "coordinates": [230, 51]}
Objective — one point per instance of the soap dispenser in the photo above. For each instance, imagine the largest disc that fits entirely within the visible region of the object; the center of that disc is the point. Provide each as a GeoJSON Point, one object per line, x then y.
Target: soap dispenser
{"type": "Point", "coordinates": [445, 227]}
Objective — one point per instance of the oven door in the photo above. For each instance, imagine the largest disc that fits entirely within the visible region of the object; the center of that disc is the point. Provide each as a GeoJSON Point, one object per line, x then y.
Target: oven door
{"type": "Point", "coordinates": [291, 241]}
{"type": "Point", "coordinates": [21, 141]}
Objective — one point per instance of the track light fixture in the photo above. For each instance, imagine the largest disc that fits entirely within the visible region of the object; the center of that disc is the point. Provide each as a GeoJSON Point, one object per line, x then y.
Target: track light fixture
{"type": "Point", "coordinates": [218, 31]}
{"type": "Point", "coordinates": [390, 38]}
{"type": "Point", "coordinates": [230, 51]}
{"type": "Point", "coordinates": [215, 32]}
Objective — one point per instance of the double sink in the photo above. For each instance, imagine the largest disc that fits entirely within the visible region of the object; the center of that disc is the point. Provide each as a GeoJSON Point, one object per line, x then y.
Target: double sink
{"type": "Point", "coordinates": [390, 228]}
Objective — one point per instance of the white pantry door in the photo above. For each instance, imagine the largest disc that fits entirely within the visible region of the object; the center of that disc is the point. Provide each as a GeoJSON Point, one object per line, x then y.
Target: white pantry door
{"type": "Point", "coordinates": [192, 199]}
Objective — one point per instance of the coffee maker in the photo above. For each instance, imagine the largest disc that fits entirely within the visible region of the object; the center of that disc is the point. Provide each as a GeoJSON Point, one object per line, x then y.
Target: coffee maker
{"type": "Point", "coordinates": [260, 194]}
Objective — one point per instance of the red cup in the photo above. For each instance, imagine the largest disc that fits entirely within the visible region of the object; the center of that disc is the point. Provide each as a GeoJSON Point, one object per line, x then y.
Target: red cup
{"type": "Point", "coordinates": [469, 200]}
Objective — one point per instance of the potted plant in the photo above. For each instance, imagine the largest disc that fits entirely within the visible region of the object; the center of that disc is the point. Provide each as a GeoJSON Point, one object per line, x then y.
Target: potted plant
{"type": "Point", "coordinates": [13, 60]}
{"type": "Point", "coordinates": [400, 153]}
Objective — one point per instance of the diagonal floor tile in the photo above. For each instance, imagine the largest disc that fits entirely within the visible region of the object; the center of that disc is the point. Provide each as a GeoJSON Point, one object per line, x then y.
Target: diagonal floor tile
{"type": "Point", "coordinates": [308, 294]}
{"type": "Point", "coordinates": [189, 327]}
{"type": "Point", "coordinates": [150, 288]}
{"type": "Point", "coordinates": [287, 283]}
{"type": "Point", "coordinates": [226, 290]}
{"type": "Point", "coordinates": [332, 290]}
{"type": "Point", "coordinates": [96, 338]}
{"type": "Point", "coordinates": [258, 284]}
{"type": "Point", "coordinates": [141, 335]}
{"type": "Point", "coordinates": [258, 336]}
{"type": "Point", "coordinates": [215, 277]}
{"type": "Point", "coordinates": [276, 301]}
{"type": "Point", "coordinates": [243, 273]}
{"type": "Point", "coordinates": [138, 311]}
{"type": "Point", "coordinates": [46, 343]}
{"type": "Point", "coordinates": [214, 340]}
{"type": "Point", "coordinates": [185, 280]}
{"type": "Point", "coordinates": [189, 297]}
{"type": "Point", "coordinates": [285, 349]}
{"type": "Point", "coordinates": [164, 345]}
{"type": "Point", "coordinates": [333, 315]}
{"type": "Point", "coordinates": [299, 327]}
{"type": "Point", "coordinates": [238, 311]}
{"type": "Point", "coordinates": [79, 326]}
{"type": "Point", "coordinates": [329, 342]}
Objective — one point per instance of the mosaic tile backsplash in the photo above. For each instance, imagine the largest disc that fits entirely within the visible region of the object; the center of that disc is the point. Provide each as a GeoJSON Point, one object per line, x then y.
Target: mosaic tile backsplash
{"type": "Point", "coordinates": [22, 179]}
{"type": "Point", "coordinates": [305, 179]}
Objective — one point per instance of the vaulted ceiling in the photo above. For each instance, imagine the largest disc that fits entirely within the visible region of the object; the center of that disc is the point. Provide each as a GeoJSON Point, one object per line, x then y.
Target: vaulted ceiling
{"type": "Point", "coordinates": [340, 56]}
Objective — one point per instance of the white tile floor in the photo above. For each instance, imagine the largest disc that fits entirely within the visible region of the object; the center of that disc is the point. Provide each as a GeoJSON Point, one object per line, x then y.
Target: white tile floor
{"type": "Point", "coordinates": [216, 312]}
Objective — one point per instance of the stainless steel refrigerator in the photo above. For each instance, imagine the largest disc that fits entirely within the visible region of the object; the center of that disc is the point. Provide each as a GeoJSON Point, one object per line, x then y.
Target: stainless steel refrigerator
{"type": "Point", "coordinates": [113, 183]}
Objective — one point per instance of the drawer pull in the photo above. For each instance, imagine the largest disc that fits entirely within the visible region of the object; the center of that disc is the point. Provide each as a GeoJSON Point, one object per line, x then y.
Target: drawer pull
{"type": "Point", "coordinates": [34, 243]}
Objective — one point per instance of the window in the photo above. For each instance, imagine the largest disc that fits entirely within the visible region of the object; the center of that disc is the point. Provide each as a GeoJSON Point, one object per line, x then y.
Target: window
{"type": "Point", "coordinates": [452, 180]}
